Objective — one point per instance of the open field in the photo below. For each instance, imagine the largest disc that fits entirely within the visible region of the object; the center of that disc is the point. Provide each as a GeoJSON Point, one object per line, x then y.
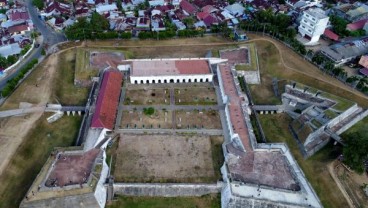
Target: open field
{"type": "Point", "coordinates": [165, 158]}
{"type": "Point", "coordinates": [315, 168]}
{"type": "Point", "coordinates": [208, 201]}
{"type": "Point", "coordinates": [64, 90]}
{"type": "Point", "coordinates": [32, 154]}
{"type": "Point", "coordinates": [137, 119]}
{"type": "Point", "coordinates": [196, 95]}
{"type": "Point", "coordinates": [147, 96]}
{"type": "Point", "coordinates": [198, 119]}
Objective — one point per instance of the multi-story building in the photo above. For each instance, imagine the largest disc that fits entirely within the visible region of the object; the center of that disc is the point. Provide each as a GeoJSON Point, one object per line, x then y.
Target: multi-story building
{"type": "Point", "coordinates": [313, 25]}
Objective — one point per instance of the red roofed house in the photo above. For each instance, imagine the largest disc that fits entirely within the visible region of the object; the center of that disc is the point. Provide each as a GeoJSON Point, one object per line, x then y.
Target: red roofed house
{"type": "Point", "coordinates": [107, 101]}
{"type": "Point", "coordinates": [16, 29]}
{"type": "Point", "coordinates": [202, 15]}
{"type": "Point", "coordinates": [331, 35]}
{"type": "Point", "coordinates": [364, 61]}
{"type": "Point", "coordinates": [356, 25]}
{"type": "Point", "coordinates": [188, 7]}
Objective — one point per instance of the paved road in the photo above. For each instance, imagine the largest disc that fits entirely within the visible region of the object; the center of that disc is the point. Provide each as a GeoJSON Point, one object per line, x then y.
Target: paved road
{"type": "Point", "coordinates": [50, 37]}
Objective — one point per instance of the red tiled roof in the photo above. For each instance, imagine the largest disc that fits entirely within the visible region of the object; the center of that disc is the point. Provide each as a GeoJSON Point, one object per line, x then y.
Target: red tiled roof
{"type": "Point", "coordinates": [202, 15]}
{"type": "Point", "coordinates": [17, 28]}
{"type": "Point", "coordinates": [107, 101]}
{"type": "Point", "coordinates": [19, 16]}
{"type": "Point", "coordinates": [192, 67]}
{"type": "Point", "coordinates": [235, 109]}
{"type": "Point", "coordinates": [364, 61]}
{"type": "Point", "coordinates": [209, 20]}
{"type": "Point", "coordinates": [356, 25]}
{"type": "Point", "coordinates": [209, 9]}
{"type": "Point", "coordinates": [333, 36]}
{"type": "Point", "coordinates": [188, 7]}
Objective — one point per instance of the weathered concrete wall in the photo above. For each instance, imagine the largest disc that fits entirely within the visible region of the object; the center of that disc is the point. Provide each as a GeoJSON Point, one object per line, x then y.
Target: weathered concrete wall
{"type": "Point", "coordinates": [360, 117]}
{"type": "Point", "coordinates": [236, 202]}
{"type": "Point", "coordinates": [251, 77]}
{"type": "Point", "coordinates": [166, 190]}
{"type": "Point", "coordinates": [85, 200]}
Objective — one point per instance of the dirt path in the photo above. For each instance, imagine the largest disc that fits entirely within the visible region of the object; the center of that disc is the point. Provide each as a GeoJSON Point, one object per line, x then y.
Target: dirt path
{"type": "Point", "coordinates": [337, 181]}
{"type": "Point", "coordinates": [36, 90]}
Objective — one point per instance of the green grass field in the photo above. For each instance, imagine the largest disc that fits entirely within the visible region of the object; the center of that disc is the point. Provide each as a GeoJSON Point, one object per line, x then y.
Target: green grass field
{"type": "Point", "coordinates": [64, 89]}
{"type": "Point", "coordinates": [360, 127]}
{"type": "Point", "coordinates": [208, 201]}
{"type": "Point", "coordinates": [315, 168]}
{"type": "Point", "coordinates": [32, 154]}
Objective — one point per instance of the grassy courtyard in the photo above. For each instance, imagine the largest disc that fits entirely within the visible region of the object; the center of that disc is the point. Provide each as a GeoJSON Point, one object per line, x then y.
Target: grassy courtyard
{"type": "Point", "coordinates": [315, 168]}
{"type": "Point", "coordinates": [208, 201]}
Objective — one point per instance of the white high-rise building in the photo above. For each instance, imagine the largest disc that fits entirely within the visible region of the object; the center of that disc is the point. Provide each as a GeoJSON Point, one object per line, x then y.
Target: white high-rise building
{"type": "Point", "coordinates": [313, 25]}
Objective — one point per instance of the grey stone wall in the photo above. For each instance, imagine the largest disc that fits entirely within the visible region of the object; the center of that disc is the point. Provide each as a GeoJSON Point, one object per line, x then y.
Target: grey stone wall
{"type": "Point", "coordinates": [166, 190]}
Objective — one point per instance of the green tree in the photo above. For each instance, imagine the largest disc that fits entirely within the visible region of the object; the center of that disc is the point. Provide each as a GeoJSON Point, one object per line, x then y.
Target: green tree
{"type": "Point", "coordinates": [148, 111]}
{"type": "Point", "coordinates": [25, 49]}
{"type": "Point", "coordinates": [99, 23]}
{"type": "Point", "coordinates": [38, 3]}
{"type": "Point", "coordinates": [3, 62]}
{"type": "Point", "coordinates": [355, 151]}
{"type": "Point", "coordinates": [189, 22]}
{"type": "Point", "coordinates": [12, 59]}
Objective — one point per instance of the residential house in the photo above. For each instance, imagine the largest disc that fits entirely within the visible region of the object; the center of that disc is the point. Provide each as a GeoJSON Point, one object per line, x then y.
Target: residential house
{"type": "Point", "coordinates": [235, 9]}
{"type": "Point", "coordinates": [346, 50]}
{"type": "Point", "coordinates": [106, 8]}
{"type": "Point", "coordinates": [143, 23]}
{"type": "Point", "coordinates": [312, 25]}
{"type": "Point", "coordinates": [56, 8]}
{"type": "Point", "coordinates": [359, 13]}
{"type": "Point", "coordinates": [188, 8]}
{"type": "Point", "coordinates": [154, 3]}
{"type": "Point", "coordinates": [356, 25]}
{"type": "Point", "coordinates": [364, 61]}
{"type": "Point", "coordinates": [57, 23]}
{"type": "Point", "coordinates": [330, 35]}
{"type": "Point", "coordinates": [18, 29]}
{"type": "Point", "coordinates": [127, 5]}
{"type": "Point", "coordinates": [302, 4]}
{"type": "Point", "coordinates": [157, 23]}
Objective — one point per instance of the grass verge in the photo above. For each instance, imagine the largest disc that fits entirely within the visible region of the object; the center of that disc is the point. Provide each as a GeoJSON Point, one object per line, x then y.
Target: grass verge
{"type": "Point", "coordinates": [207, 201]}
{"type": "Point", "coordinates": [217, 156]}
{"type": "Point", "coordinates": [315, 168]}
{"type": "Point", "coordinates": [32, 154]}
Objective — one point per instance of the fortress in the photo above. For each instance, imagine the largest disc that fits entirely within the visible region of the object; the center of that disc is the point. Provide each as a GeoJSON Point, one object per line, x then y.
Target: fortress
{"type": "Point", "coordinates": [253, 174]}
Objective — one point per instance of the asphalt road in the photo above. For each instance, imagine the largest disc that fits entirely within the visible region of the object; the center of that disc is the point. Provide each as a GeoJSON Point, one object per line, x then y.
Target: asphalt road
{"type": "Point", "coordinates": [50, 37]}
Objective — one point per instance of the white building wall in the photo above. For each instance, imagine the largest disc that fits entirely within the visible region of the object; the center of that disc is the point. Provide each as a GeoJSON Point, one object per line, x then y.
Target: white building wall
{"type": "Point", "coordinates": [171, 79]}
{"type": "Point", "coordinates": [312, 25]}
{"type": "Point", "coordinates": [101, 192]}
